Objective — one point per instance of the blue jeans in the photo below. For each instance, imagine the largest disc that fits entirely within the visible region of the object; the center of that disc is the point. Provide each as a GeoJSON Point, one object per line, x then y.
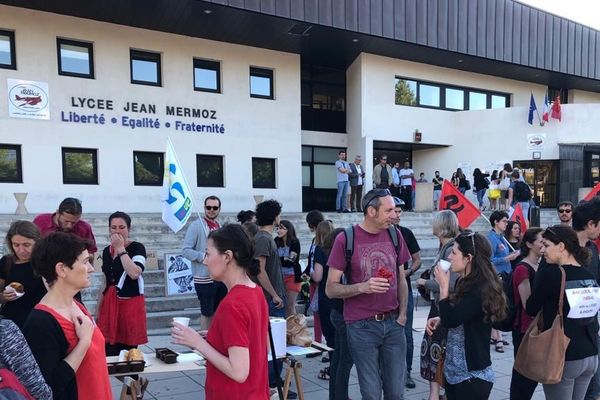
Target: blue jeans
{"type": "Point", "coordinates": [341, 360]}
{"type": "Point", "coordinates": [593, 391]}
{"type": "Point", "coordinates": [525, 206]}
{"type": "Point", "coordinates": [408, 329]}
{"type": "Point", "coordinates": [378, 349]}
{"type": "Point", "coordinates": [342, 193]}
{"type": "Point", "coordinates": [275, 371]}
{"type": "Point", "coordinates": [480, 196]}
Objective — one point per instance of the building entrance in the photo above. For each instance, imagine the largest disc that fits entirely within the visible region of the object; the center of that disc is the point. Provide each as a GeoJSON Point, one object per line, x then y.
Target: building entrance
{"type": "Point", "coordinates": [542, 176]}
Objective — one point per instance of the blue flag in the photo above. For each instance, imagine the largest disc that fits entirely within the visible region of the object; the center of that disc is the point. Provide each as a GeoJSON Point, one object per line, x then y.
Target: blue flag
{"type": "Point", "coordinates": [532, 108]}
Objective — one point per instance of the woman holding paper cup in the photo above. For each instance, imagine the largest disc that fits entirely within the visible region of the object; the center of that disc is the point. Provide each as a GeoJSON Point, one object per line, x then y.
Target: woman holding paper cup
{"type": "Point", "coordinates": [580, 308]}
{"type": "Point", "coordinates": [236, 344]}
{"type": "Point", "coordinates": [20, 290]}
{"type": "Point", "coordinates": [121, 306]}
{"type": "Point", "coordinates": [468, 314]}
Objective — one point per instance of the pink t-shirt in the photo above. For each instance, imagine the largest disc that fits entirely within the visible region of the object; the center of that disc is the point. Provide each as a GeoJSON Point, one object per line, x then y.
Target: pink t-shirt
{"type": "Point", "coordinates": [371, 251]}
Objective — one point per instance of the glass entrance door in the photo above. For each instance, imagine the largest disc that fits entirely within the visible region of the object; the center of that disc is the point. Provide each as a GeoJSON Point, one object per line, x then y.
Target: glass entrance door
{"type": "Point", "coordinates": [542, 176]}
{"type": "Point", "coordinates": [594, 168]}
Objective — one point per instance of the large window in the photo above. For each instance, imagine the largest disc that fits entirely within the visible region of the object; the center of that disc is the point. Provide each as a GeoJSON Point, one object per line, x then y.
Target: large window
{"type": "Point", "coordinates": [8, 59]}
{"type": "Point", "coordinates": [263, 173]}
{"type": "Point", "coordinates": [145, 68]}
{"type": "Point", "coordinates": [80, 166]}
{"type": "Point", "coordinates": [10, 163]}
{"type": "Point", "coordinates": [323, 98]}
{"type": "Point", "coordinates": [410, 92]}
{"type": "Point", "coordinates": [209, 170]}
{"type": "Point", "coordinates": [75, 58]}
{"type": "Point", "coordinates": [148, 168]}
{"type": "Point", "coordinates": [207, 76]}
{"type": "Point", "coordinates": [261, 83]}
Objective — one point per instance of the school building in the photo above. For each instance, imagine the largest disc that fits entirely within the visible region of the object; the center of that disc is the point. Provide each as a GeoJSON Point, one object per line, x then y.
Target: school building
{"type": "Point", "coordinates": [258, 97]}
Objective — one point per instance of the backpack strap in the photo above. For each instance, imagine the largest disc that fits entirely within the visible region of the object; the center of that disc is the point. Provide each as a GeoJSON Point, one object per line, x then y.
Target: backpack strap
{"type": "Point", "coordinates": [349, 232]}
{"type": "Point", "coordinates": [393, 232]}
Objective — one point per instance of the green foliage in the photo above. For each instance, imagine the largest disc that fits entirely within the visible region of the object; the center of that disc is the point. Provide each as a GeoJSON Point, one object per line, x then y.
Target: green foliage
{"type": "Point", "coordinates": [405, 95]}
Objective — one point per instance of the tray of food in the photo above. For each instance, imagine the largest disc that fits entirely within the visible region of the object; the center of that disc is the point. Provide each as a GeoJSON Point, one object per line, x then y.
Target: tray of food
{"type": "Point", "coordinates": [166, 355]}
{"type": "Point", "coordinates": [129, 361]}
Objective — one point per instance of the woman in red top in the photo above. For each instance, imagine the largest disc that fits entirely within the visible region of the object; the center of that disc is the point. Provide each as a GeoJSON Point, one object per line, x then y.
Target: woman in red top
{"type": "Point", "coordinates": [532, 249]}
{"type": "Point", "coordinates": [236, 344]}
{"type": "Point", "coordinates": [63, 337]}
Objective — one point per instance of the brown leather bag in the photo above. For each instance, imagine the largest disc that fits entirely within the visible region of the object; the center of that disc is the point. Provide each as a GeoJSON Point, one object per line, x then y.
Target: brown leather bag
{"type": "Point", "coordinates": [297, 331]}
{"type": "Point", "coordinates": [541, 356]}
{"type": "Point", "coordinates": [439, 369]}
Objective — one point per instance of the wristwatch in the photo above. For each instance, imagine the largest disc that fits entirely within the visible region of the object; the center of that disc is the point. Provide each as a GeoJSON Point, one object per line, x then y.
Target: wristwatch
{"type": "Point", "coordinates": [121, 254]}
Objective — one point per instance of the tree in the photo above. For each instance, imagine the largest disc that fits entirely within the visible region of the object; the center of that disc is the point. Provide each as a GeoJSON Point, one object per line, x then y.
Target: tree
{"type": "Point", "coordinates": [405, 95]}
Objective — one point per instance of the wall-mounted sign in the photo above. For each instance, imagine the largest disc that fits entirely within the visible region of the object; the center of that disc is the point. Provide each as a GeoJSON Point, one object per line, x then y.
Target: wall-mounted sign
{"type": "Point", "coordinates": [418, 136]}
{"type": "Point", "coordinates": [28, 99]}
{"type": "Point", "coordinates": [536, 141]}
{"type": "Point", "coordinates": [178, 274]}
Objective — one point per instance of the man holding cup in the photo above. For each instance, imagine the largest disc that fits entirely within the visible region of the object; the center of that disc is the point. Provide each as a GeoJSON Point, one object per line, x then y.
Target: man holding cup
{"type": "Point", "coordinates": [375, 297]}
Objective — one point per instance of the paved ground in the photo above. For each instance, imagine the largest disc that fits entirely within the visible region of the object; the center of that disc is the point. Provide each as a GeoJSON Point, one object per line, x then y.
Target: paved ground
{"type": "Point", "coordinates": [189, 385]}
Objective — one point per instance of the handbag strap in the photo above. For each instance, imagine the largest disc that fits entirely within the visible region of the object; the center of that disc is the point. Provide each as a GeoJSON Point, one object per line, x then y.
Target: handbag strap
{"type": "Point", "coordinates": [562, 291]}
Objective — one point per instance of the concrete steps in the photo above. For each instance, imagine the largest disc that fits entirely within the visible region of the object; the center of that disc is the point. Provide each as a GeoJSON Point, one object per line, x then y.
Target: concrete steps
{"type": "Point", "coordinates": [157, 237]}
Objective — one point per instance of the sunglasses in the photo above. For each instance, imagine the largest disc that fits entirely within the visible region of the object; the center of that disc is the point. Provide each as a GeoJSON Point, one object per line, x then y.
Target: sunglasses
{"type": "Point", "coordinates": [372, 195]}
{"type": "Point", "coordinates": [564, 210]}
{"type": "Point", "coordinates": [470, 234]}
{"type": "Point", "coordinates": [213, 208]}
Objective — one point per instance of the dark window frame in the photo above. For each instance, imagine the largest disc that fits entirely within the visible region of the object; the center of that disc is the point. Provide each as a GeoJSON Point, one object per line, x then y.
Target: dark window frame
{"type": "Point", "coordinates": [17, 148]}
{"type": "Point", "coordinates": [90, 48]}
{"type": "Point", "coordinates": [136, 181]}
{"type": "Point", "coordinates": [273, 162]}
{"type": "Point", "coordinates": [442, 86]}
{"type": "Point", "coordinates": [262, 73]}
{"type": "Point", "coordinates": [213, 157]}
{"type": "Point", "coordinates": [146, 55]}
{"type": "Point", "coordinates": [210, 65]}
{"type": "Point", "coordinates": [13, 49]}
{"type": "Point", "coordinates": [80, 150]}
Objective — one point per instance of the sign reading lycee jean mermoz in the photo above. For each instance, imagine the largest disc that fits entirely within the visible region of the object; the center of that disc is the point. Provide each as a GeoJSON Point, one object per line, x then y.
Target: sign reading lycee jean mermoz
{"type": "Point", "coordinates": [28, 99]}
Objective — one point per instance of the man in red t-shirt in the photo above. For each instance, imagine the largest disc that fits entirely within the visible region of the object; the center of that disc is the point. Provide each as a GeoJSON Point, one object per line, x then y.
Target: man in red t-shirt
{"type": "Point", "coordinates": [68, 219]}
{"type": "Point", "coordinates": [375, 299]}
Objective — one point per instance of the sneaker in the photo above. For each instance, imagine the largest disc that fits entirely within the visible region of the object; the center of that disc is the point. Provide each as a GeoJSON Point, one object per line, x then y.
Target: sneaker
{"type": "Point", "coordinates": [409, 382]}
{"type": "Point", "coordinates": [292, 395]}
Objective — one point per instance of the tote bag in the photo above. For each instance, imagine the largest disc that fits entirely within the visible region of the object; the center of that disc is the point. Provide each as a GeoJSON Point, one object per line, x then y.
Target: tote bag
{"type": "Point", "coordinates": [541, 356]}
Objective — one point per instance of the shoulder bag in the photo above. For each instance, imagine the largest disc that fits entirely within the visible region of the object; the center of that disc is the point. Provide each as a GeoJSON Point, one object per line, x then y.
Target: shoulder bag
{"type": "Point", "coordinates": [541, 356]}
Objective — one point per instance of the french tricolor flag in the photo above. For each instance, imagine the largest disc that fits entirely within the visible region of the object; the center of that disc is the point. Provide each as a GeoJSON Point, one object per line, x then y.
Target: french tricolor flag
{"type": "Point", "coordinates": [546, 113]}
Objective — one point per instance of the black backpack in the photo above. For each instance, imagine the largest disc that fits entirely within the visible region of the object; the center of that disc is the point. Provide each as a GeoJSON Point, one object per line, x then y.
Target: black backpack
{"type": "Point", "coordinates": [522, 191]}
{"type": "Point", "coordinates": [349, 232]}
{"type": "Point", "coordinates": [512, 311]}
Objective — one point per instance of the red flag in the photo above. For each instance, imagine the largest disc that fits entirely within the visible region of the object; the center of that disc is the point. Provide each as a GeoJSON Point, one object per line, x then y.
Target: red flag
{"type": "Point", "coordinates": [518, 216]}
{"type": "Point", "coordinates": [593, 192]}
{"type": "Point", "coordinates": [556, 113]}
{"type": "Point", "coordinates": [453, 199]}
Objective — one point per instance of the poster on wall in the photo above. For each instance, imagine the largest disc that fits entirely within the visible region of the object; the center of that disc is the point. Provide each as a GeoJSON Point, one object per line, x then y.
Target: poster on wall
{"type": "Point", "coordinates": [28, 99]}
{"type": "Point", "coordinates": [536, 141]}
{"type": "Point", "coordinates": [179, 278]}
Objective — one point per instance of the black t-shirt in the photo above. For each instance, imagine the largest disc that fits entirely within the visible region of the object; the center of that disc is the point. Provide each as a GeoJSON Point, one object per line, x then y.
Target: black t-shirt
{"type": "Point", "coordinates": [385, 177]}
{"type": "Point", "coordinates": [583, 332]}
{"type": "Point", "coordinates": [18, 310]}
{"type": "Point", "coordinates": [412, 244]}
{"type": "Point", "coordinates": [437, 183]}
{"type": "Point", "coordinates": [336, 304]}
{"type": "Point", "coordinates": [594, 264]}
{"type": "Point", "coordinates": [113, 269]}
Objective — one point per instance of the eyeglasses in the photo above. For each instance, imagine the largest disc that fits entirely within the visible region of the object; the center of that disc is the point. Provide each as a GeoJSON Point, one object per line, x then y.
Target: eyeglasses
{"type": "Point", "coordinates": [564, 210]}
{"type": "Point", "coordinates": [372, 195]}
{"type": "Point", "coordinates": [213, 208]}
{"type": "Point", "coordinates": [384, 159]}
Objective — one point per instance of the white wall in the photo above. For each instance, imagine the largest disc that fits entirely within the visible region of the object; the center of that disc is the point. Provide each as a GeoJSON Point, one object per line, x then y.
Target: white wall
{"type": "Point", "coordinates": [254, 127]}
{"type": "Point", "coordinates": [580, 96]}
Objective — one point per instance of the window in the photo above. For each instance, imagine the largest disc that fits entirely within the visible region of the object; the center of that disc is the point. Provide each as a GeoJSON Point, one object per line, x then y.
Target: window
{"type": "Point", "coordinates": [429, 95]}
{"type": "Point", "coordinates": [75, 58]}
{"type": "Point", "coordinates": [145, 68]}
{"type": "Point", "coordinates": [563, 94]}
{"type": "Point", "coordinates": [207, 76]}
{"type": "Point", "coordinates": [263, 173]}
{"type": "Point", "coordinates": [410, 92]}
{"type": "Point", "coordinates": [261, 83]}
{"type": "Point", "coordinates": [148, 168]}
{"type": "Point", "coordinates": [209, 171]}
{"type": "Point", "coordinates": [10, 163]}
{"type": "Point", "coordinates": [8, 58]}
{"type": "Point", "coordinates": [80, 166]}
{"type": "Point", "coordinates": [455, 99]}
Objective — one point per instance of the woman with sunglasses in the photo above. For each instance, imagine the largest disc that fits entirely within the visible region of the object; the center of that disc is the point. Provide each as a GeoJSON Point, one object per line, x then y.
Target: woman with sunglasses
{"type": "Point", "coordinates": [468, 314]}
{"type": "Point", "coordinates": [561, 248]}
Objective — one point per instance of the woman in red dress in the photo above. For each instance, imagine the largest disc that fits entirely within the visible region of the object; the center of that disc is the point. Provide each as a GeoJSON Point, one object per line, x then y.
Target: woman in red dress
{"type": "Point", "coordinates": [63, 337]}
{"type": "Point", "coordinates": [236, 343]}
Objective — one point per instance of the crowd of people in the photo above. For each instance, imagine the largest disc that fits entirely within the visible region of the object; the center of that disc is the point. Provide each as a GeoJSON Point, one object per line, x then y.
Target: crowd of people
{"type": "Point", "coordinates": [359, 280]}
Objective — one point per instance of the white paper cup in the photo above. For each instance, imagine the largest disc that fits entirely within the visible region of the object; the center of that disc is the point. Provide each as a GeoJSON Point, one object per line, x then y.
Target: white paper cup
{"type": "Point", "coordinates": [444, 265]}
{"type": "Point", "coordinates": [182, 320]}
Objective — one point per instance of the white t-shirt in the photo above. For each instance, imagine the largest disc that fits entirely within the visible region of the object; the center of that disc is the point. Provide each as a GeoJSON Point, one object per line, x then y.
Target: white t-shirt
{"type": "Point", "coordinates": [406, 181]}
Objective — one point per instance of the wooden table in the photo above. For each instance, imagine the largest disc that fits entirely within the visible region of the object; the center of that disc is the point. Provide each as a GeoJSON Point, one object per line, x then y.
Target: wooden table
{"type": "Point", "coordinates": [294, 366]}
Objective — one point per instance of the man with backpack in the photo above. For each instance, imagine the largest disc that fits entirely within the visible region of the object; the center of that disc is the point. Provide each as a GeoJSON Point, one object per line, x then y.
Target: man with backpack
{"type": "Point", "coordinates": [375, 296]}
{"type": "Point", "coordinates": [519, 192]}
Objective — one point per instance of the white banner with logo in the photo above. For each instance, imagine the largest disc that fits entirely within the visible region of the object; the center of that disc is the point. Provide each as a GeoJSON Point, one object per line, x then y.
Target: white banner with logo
{"type": "Point", "coordinates": [28, 99]}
